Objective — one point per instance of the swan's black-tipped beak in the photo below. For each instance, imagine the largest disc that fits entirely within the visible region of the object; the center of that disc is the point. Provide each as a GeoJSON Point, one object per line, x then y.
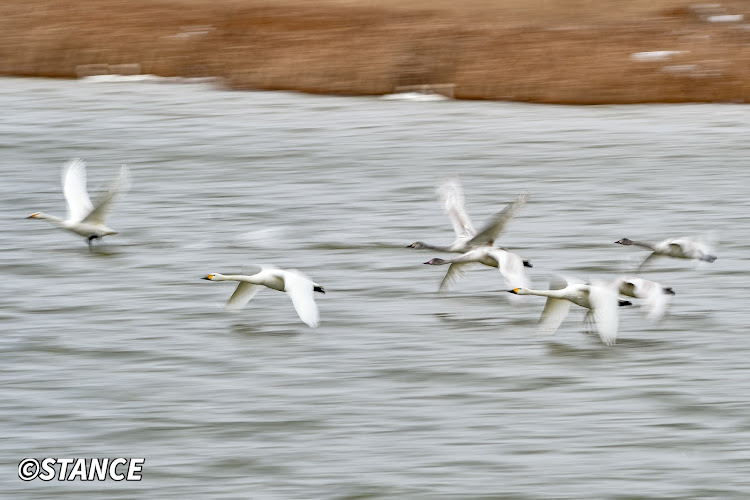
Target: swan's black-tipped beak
{"type": "Point", "coordinates": [527, 263]}
{"type": "Point", "coordinates": [209, 277]}
{"type": "Point", "coordinates": [318, 288]}
{"type": "Point", "coordinates": [514, 291]}
{"type": "Point", "coordinates": [33, 216]}
{"type": "Point", "coordinates": [668, 290]}
{"type": "Point", "coordinates": [625, 303]}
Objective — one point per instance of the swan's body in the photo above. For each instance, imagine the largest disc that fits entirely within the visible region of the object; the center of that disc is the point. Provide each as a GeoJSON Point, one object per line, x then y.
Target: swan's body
{"type": "Point", "coordinates": [299, 288]}
{"type": "Point", "coordinates": [656, 296]}
{"type": "Point", "coordinates": [510, 265]}
{"type": "Point", "coordinates": [601, 301]}
{"type": "Point", "coordinates": [84, 218]}
{"type": "Point", "coordinates": [452, 198]}
{"type": "Point", "coordinates": [678, 248]}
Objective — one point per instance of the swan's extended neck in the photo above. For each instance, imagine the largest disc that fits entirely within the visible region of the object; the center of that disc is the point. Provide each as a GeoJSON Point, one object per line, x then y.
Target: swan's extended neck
{"type": "Point", "coordinates": [629, 242]}
{"type": "Point", "coordinates": [226, 277]}
{"type": "Point", "coordinates": [556, 294]}
{"type": "Point", "coordinates": [52, 218]}
{"type": "Point", "coordinates": [643, 244]}
{"type": "Point", "coordinates": [428, 246]}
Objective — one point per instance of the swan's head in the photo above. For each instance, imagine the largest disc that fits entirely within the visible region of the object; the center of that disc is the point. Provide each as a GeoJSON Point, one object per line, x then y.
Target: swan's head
{"type": "Point", "coordinates": [527, 263]}
{"type": "Point", "coordinates": [624, 241]}
{"type": "Point", "coordinates": [435, 262]}
{"type": "Point", "coordinates": [668, 290]}
{"type": "Point", "coordinates": [212, 277]}
{"type": "Point", "coordinates": [416, 244]}
{"type": "Point", "coordinates": [319, 289]}
{"type": "Point", "coordinates": [35, 215]}
{"type": "Point", "coordinates": [515, 291]}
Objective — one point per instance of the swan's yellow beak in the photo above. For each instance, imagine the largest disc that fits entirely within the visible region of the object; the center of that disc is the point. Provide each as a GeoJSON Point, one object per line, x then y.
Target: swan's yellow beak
{"type": "Point", "coordinates": [33, 216]}
{"type": "Point", "coordinates": [209, 277]}
{"type": "Point", "coordinates": [515, 290]}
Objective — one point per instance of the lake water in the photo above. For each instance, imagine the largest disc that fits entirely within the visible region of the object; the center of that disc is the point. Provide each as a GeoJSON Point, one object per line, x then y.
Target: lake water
{"type": "Point", "coordinates": [400, 393]}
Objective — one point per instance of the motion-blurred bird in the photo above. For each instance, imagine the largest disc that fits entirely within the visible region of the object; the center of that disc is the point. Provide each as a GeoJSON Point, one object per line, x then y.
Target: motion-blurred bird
{"type": "Point", "coordinates": [656, 296]}
{"type": "Point", "coordinates": [454, 204]}
{"type": "Point", "coordinates": [679, 248]}
{"type": "Point", "coordinates": [84, 218]}
{"type": "Point", "coordinates": [508, 263]}
{"type": "Point", "coordinates": [298, 287]}
{"type": "Point", "coordinates": [601, 300]}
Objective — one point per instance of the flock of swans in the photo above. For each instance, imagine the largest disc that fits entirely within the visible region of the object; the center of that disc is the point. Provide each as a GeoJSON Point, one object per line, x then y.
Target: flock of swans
{"type": "Point", "coordinates": [602, 299]}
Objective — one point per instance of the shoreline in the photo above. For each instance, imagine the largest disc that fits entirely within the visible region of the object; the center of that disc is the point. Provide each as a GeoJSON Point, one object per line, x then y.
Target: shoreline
{"type": "Point", "coordinates": [656, 52]}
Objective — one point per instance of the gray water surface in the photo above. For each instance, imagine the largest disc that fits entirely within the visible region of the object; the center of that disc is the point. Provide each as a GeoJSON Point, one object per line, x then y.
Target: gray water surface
{"type": "Point", "coordinates": [400, 393]}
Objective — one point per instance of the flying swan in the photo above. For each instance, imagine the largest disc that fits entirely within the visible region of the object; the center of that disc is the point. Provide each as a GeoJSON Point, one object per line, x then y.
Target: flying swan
{"type": "Point", "coordinates": [601, 300]}
{"type": "Point", "coordinates": [656, 296]}
{"type": "Point", "coordinates": [84, 218]}
{"type": "Point", "coordinates": [679, 248]}
{"type": "Point", "coordinates": [510, 265]}
{"type": "Point", "coordinates": [451, 195]}
{"type": "Point", "coordinates": [299, 288]}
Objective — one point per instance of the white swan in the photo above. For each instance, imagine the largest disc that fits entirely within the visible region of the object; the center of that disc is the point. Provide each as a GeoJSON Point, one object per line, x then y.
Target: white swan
{"type": "Point", "coordinates": [299, 288]}
{"type": "Point", "coordinates": [656, 295]}
{"type": "Point", "coordinates": [601, 301]}
{"type": "Point", "coordinates": [452, 197]}
{"type": "Point", "coordinates": [510, 265]}
{"type": "Point", "coordinates": [679, 248]}
{"type": "Point", "coordinates": [84, 218]}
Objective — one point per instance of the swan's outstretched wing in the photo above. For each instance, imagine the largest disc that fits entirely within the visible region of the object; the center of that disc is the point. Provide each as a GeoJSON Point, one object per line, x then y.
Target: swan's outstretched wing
{"type": "Point", "coordinates": [99, 214]}
{"type": "Point", "coordinates": [657, 298]}
{"type": "Point", "coordinates": [650, 258]}
{"type": "Point", "coordinates": [605, 302]}
{"type": "Point", "coordinates": [511, 267]}
{"type": "Point", "coordinates": [301, 291]}
{"type": "Point", "coordinates": [494, 227]}
{"type": "Point", "coordinates": [452, 197]}
{"type": "Point", "coordinates": [554, 313]}
{"type": "Point", "coordinates": [74, 189]}
{"type": "Point", "coordinates": [455, 272]}
{"type": "Point", "coordinates": [242, 295]}
{"type": "Point", "coordinates": [657, 303]}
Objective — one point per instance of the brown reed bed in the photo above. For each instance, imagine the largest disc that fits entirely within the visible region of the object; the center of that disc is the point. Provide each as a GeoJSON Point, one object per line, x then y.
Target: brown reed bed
{"type": "Point", "coordinates": [575, 52]}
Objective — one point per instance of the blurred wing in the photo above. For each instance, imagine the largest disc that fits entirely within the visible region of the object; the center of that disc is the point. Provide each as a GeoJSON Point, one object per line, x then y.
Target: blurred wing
{"type": "Point", "coordinates": [252, 269]}
{"type": "Point", "coordinates": [455, 272]}
{"type": "Point", "coordinates": [300, 290]}
{"type": "Point", "coordinates": [650, 258]}
{"type": "Point", "coordinates": [560, 282]}
{"type": "Point", "coordinates": [105, 201]}
{"type": "Point", "coordinates": [452, 197]}
{"type": "Point", "coordinates": [656, 300]}
{"type": "Point", "coordinates": [242, 295]}
{"type": "Point", "coordinates": [74, 189]}
{"type": "Point", "coordinates": [494, 227]}
{"type": "Point", "coordinates": [511, 267]}
{"type": "Point", "coordinates": [657, 306]}
{"type": "Point", "coordinates": [555, 311]}
{"type": "Point", "coordinates": [605, 304]}
{"type": "Point", "coordinates": [626, 286]}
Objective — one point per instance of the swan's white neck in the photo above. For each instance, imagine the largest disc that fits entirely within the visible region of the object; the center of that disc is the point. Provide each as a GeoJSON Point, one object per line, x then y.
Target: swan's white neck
{"type": "Point", "coordinates": [556, 294]}
{"type": "Point", "coordinates": [228, 277]}
{"type": "Point", "coordinates": [52, 218]}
